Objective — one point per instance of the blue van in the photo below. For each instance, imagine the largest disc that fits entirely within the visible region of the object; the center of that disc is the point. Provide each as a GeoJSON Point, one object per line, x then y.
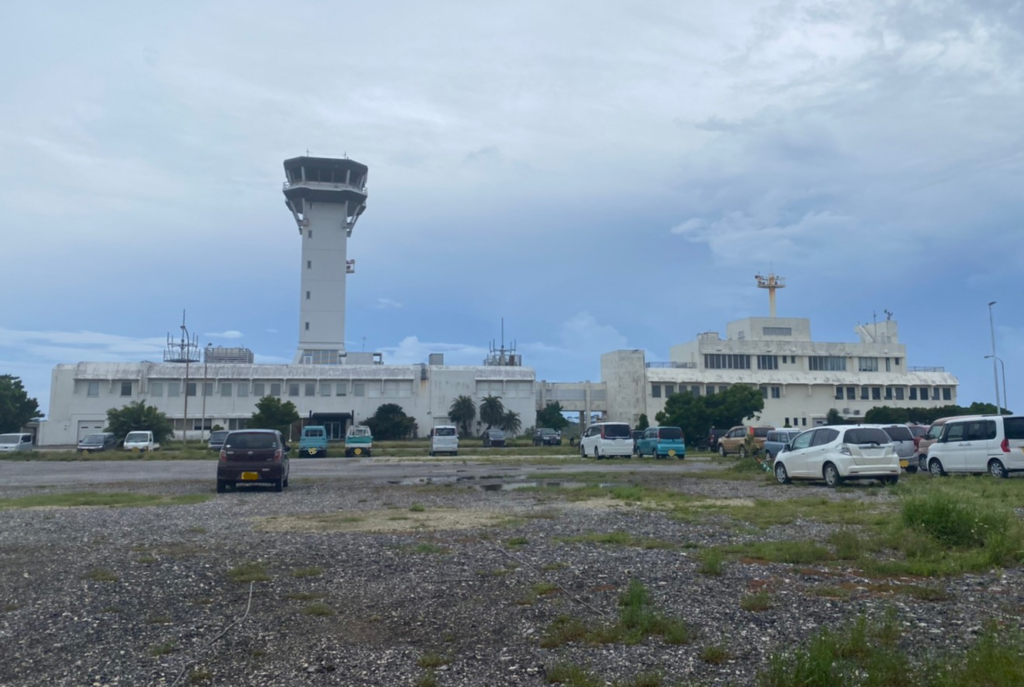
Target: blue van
{"type": "Point", "coordinates": [661, 442]}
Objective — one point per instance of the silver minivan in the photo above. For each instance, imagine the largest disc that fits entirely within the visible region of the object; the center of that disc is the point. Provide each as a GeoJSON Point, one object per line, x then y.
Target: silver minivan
{"type": "Point", "coordinates": [903, 439]}
{"type": "Point", "coordinates": [16, 441]}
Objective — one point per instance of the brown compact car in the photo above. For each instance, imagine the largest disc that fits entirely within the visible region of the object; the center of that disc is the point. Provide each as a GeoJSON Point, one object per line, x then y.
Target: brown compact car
{"type": "Point", "coordinates": [733, 440]}
{"type": "Point", "coordinates": [253, 456]}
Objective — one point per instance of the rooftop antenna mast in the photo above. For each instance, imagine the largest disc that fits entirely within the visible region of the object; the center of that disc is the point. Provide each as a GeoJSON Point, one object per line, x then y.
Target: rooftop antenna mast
{"type": "Point", "coordinates": [502, 355]}
{"type": "Point", "coordinates": [770, 282]}
{"type": "Point", "coordinates": [185, 350]}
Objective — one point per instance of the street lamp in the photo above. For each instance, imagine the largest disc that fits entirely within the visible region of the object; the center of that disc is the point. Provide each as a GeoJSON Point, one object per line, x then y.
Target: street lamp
{"type": "Point", "coordinates": [995, 372]}
{"type": "Point", "coordinates": [1002, 365]}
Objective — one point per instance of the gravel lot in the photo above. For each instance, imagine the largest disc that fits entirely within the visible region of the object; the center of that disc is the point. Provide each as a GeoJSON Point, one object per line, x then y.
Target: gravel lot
{"type": "Point", "coordinates": [368, 580]}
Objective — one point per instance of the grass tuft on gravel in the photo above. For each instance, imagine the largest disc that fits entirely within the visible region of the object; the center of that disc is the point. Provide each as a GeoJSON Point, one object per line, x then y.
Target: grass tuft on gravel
{"type": "Point", "coordinates": [101, 575]}
{"type": "Point", "coordinates": [252, 571]}
{"type": "Point", "coordinates": [711, 561]}
{"type": "Point", "coordinates": [161, 649]}
{"type": "Point", "coordinates": [757, 602]}
{"type": "Point", "coordinates": [715, 654]}
{"type": "Point", "coordinates": [617, 538]}
{"type": "Point", "coordinates": [572, 675]}
{"type": "Point", "coordinates": [432, 659]}
{"type": "Point", "coordinates": [318, 609]}
{"type": "Point", "coordinates": [307, 572]}
{"type": "Point", "coordinates": [97, 498]}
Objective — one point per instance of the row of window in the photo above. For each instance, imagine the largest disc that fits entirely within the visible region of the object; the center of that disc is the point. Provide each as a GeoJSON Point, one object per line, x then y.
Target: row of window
{"type": "Point", "coordinates": [895, 393]}
{"type": "Point", "coordinates": [387, 389]}
{"type": "Point", "coordinates": [815, 363]}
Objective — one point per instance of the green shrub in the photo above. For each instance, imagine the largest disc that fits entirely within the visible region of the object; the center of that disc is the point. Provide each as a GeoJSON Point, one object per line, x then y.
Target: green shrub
{"type": "Point", "coordinates": [711, 561]}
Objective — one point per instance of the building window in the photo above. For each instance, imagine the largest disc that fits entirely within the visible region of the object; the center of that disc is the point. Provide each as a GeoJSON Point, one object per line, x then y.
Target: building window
{"type": "Point", "coordinates": [310, 389]}
{"type": "Point", "coordinates": [173, 389]}
{"type": "Point", "coordinates": [341, 389]}
{"type": "Point", "coordinates": [764, 392]}
{"type": "Point", "coordinates": [826, 363]}
{"type": "Point", "coordinates": [876, 393]}
{"type": "Point", "coordinates": [307, 326]}
{"type": "Point", "coordinates": [257, 389]}
{"type": "Point", "coordinates": [776, 392]}
{"type": "Point", "coordinates": [225, 388]}
{"type": "Point", "coordinates": [851, 393]}
{"type": "Point", "coordinates": [126, 388]}
{"type": "Point", "coordinates": [358, 388]}
{"type": "Point", "coordinates": [309, 264]}
{"type": "Point", "coordinates": [309, 233]}
{"type": "Point", "coordinates": [405, 390]}
{"type": "Point", "coordinates": [243, 390]}
{"type": "Point", "coordinates": [888, 393]}
{"type": "Point", "coordinates": [935, 393]}
{"type": "Point", "coordinates": [767, 362]}
{"type": "Point", "coordinates": [156, 388]}
{"type": "Point", "coordinates": [200, 424]}
{"type": "Point", "coordinates": [924, 393]}
{"type": "Point", "coordinates": [191, 389]}
{"type": "Point", "coordinates": [238, 423]}
{"type": "Point", "coordinates": [293, 389]}
{"type": "Point", "coordinates": [839, 393]}
{"type": "Point", "coordinates": [307, 295]}
{"type": "Point", "coordinates": [695, 390]}
{"type": "Point", "coordinates": [669, 390]}
{"type": "Point", "coordinates": [864, 393]}
{"type": "Point", "coordinates": [655, 390]}
{"type": "Point", "coordinates": [899, 393]}
{"type": "Point", "coordinates": [710, 390]}
{"type": "Point", "coordinates": [325, 388]}
{"type": "Point", "coordinates": [888, 364]}
{"type": "Point", "coordinates": [92, 389]}
{"type": "Point", "coordinates": [804, 423]}
{"type": "Point", "coordinates": [726, 361]}
{"type": "Point", "coordinates": [913, 393]}
{"type": "Point", "coordinates": [867, 364]}
{"type": "Point", "coordinates": [207, 389]}
{"type": "Point", "coordinates": [777, 331]}
{"type": "Point", "coordinates": [947, 394]}
{"type": "Point", "coordinates": [897, 362]}
{"type": "Point", "coordinates": [275, 389]}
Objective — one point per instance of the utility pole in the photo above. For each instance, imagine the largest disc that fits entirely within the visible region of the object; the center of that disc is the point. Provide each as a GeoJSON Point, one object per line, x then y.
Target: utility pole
{"type": "Point", "coordinates": [202, 422]}
{"type": "Point", "coordinates": [995, 370]}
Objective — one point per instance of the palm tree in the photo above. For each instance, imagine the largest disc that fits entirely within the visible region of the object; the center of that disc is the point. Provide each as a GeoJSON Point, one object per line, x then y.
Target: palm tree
{"type": "Point", "coordinates": [492, 410]}
{"type": "Point", "coordinates": [462, 412]}
{"type": "Point", "coordinates": [510, 423]}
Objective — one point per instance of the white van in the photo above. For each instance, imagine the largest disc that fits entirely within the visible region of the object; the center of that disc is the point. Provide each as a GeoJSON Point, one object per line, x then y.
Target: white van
{"type": "Point", "coordinates": [444, 439]}
{"type": "Point", "coordinates": [987, 443]}
{"type": "Point", "coordinates": [140, 441]}
{"type": "Point", "coordinates": [606, 440]}
{"type": "Point", "coordinates": [16, 442]}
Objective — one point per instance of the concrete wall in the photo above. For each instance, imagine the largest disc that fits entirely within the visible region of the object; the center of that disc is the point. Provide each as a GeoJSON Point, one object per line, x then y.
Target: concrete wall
{"type": "Point", "coordinates": [624, 374]}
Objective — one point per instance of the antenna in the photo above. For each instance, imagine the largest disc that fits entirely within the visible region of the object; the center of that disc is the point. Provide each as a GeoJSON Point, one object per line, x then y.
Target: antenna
{"type": "Point", "coordinates": [888, 315]}
{"type": "Point", "coordinates": [186, 349]}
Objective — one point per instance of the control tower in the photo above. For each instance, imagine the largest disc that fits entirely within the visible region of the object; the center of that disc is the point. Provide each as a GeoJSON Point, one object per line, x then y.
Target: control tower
{"type": "Point", "coordinates": [326, 197]}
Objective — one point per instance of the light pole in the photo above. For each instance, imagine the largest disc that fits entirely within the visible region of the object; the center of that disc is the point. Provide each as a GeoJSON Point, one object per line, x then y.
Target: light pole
{"type": "Point", "coordinates": [1003, 366]}
{"type": "Point", "coordinates": [995, 372]}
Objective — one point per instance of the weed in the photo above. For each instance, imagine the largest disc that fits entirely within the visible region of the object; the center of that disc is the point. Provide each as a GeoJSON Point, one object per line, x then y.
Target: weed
{"type": "Point", "coordinates": [572, 675]}
{"type": "Point", "coordinates": [924, 593]}
{"type": "Point", "coordinates": [307, 572]}
{"type": "Point", "coordinates": [318, 609]}
{"type": "Point", "coordinates": [429, 548]}
{"type": "Point", "coordinates": [304, 596]}
{"type": "Point", "coordinates": [200, 676]}
{"type": "Point", "coordinates": [631, 493]}
{"type": "Point", "coordinates": [794, 552]}
{"type": "Point", "coordinates": [642, 680]}
{"type": "Point", "coordinates": [756, 603]}
{"type": "Point", "coordinates": [711, 561]}
{"type": "Point", "coordinates": [428, 680]}
{"type": "Point", "coordinates": [715, 654]}
{"type": "Point", "coordinates": [159, 620]}
{"type": "Point", "coordinates": [849, 546]}
{"type": "Point", "coordinates": [432, 660]}
{"type": "Point", "coordinates": [545, 588]}
{"type": "Point", "coordinates": [554, 566]}
{"type": "Point", "coordinates": [161, 649]}
{"type": "Point", "coordinates": [417, 508]}
{"type": "Point", "coordinates": [148, 559]}
{"type": "Point", "coordinates": [618, 538]}
{"type": "Point", "coordinates": [252, 571]}
{"type": "Point", "coordinates": [518, 541]}
{"type": "Point", "coordinates": [832, 593]}
{"type": "Point", "coordinates": [564, 630]}
{"type": "Point", "coordinates": [101, 575]}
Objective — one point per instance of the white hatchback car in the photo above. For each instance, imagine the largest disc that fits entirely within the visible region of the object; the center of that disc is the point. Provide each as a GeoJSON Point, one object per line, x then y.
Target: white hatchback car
{"type": "Point", "coordinates": [606, 440]}
{"type": "Point", "coordinates": [836, 453]}
{"type": "Point", "coordinates": [989, 443]}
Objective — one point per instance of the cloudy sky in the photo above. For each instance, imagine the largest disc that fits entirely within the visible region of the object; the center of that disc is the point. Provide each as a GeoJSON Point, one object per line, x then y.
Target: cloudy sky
{"type": "Point", "coordinates": [600, 174]}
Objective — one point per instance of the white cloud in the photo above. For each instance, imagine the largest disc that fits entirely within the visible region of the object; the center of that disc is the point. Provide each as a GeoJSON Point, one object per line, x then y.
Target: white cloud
{"type": "Point", "coordinates": [387, 303]}
{"type": "Point", "coordinates": [229, 334]}
{"type": "Point", "coordinates": [412, 351]}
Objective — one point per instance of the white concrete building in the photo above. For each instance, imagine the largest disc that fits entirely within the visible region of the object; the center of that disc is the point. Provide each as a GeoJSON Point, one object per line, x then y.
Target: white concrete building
{"type": "Point", "coordinates": [800, 379]}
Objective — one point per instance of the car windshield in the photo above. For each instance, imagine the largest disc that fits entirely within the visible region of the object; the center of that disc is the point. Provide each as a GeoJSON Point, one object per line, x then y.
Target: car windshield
{"type": "Point", "coordinates": [218, 436]}
{"type": "Point", "coordinates": [899, 433]}
{"type": "Point", "coordinates": [866, 435]}
{"type": "Point", "coordinates": [444, 431]}
{"type": "Point", "coordinates": [545, 431]}
{"type": "Point", "coordinates": [670, 433]}
{"type": "Point", "coordinates": [761, 431]}
{"type": "Point", "coordinates": [617, 432]}
{"type": "Point", "coordinates": [360, 431]}
{"type": "Point", "coordinates": [10, 438]}
{"type": "Point", "coordinates": [137, 436]}
{"type": "Point", "coordinates": [314, 432]}
{"type": "Point", "coordinates": [496, 434]}
{"type": "Point", "coordinates": [252, 440]}
{"type": "Point", "coordinates": [93, 439]}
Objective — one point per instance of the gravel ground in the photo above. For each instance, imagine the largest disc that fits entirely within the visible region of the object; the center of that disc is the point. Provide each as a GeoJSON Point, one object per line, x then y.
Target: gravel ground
{"type": "Point", "coordinates": [142, 595]}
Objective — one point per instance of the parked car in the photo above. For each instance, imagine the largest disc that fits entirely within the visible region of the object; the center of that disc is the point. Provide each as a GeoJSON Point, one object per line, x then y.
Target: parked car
{"type": "Point", "coordinates": [97, 442]}
{"type": "Point", "coordinates": [16, 441]}
{"type": "Point", "coordinates": [607, 440]}
{"type": "Point", "coordinates": [661, 442]}
{"type": "Point", "coordinates": [733, 441]}
{"type": "Point", "coordinates": [253, 456]}
{"type": "Point", "coordinates": [903, 440]}
{"type": "Point", "coordinates": [836, 453]}
{"type": "Point", "coordinates": [776, 440]}
{"type": "Point", "coordinates": [217, 438]}
{"type": "Point", "coordinates": [987, 443]}
{"type": "Point", "coordinates": [313, 441]}
{"type": "Point", "coordinates": [636, 433]}
{"type": "Point", "coordinates": [934, 432]}
{"type": "Point", "coordinates": [358, 441]}
{"type": "Point", "coordinates": [444, 439]}
{"type": "Point", "coordinates": [140, 440]}
{"type": "Point", "coordinates": [714, 434]}
{"type": "Point", "coordinates": [493, 438]}
{"type": "Point", "coordinates": [545, 436]}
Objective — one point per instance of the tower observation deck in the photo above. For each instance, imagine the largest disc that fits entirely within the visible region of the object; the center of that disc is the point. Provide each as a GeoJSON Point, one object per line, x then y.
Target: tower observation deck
{"type": "Point", "coordinates": [326, 196]}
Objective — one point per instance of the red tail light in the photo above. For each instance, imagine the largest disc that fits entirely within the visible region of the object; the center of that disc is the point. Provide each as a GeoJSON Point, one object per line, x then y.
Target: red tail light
{"type": "Point", "coordinates": [277, 455]}
{"type": "Point", "coordinates": [602, 432]}
{"type": "Point", "coordinates": [1005, 445]}
{"type": "Point", "coordinates": [223, 456]}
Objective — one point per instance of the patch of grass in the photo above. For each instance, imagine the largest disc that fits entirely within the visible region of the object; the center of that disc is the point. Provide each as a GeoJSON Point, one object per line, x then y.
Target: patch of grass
{"type": "Point", "coordinates": [518, 541]}
{"type": "Point", "coordinates": [197, 529]}
{"type": "Point", "coordinates": [101, 575]}
{"type": "Point", "coordinates": [546, 588]}
{"type": "Point", "coordinates": [253, 571]}
{"type": "Point", "coordinates": [649, 679]}
{"type": "Point", "coordinates": [554, 566]}
{"type": "Point", "coordinates": [200, 676]}
{"type": "Point", "coordinates": [318, 609]}
{"type": "Point", "coordinates": [849, 545]}
{"type": "Point", "coordinates": [205, 601]}
{"type": "Point", "coordinates": [428, 680]}
{"type": "Point", "coordinates": [712, 561]}
{"type": "Point", "coordinates": [9, 608]}
{"type": "Point", "coordinates": [304, 596]}
{"type": "Point", "coordinates": [923, 593]}
{"type": "Point", "coordinates": [425, 547]}
{"type": "Point", "coordinates": [630, 493]}
{"type": "Point", "coordinates": [417, 508]}
{"type": "Point", "coordinates": [793, 552]}
{"type": "Point", "coordinates": [307, 572]}
{"type": "Point", "coordinates": [617, 538]}
{"type": "Point", "coordinates": [96, 498]}
{"type": "Point", "coordinates": [832, 593]}
{"type": "Point", "coordinates": [161, 649]}
{"type": "Point", "coordinates": [391, 517]}
{"type": "Point", "coordinates": [148, 559]}
{"type": "Point", "coordinates": [159, 620]}
{"type": "Point", "coordinates": [716, 654]}
{"type": "Point", "coordinates": [572, 675]}
{"type": "Point", "coordinates": [757, 602]}
{"type": "Point", "coordinates": [432, 659]}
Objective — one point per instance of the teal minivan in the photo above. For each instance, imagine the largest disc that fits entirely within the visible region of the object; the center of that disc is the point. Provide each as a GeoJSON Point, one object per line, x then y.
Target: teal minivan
{"type": "Point", "coordinates": [661, 442]}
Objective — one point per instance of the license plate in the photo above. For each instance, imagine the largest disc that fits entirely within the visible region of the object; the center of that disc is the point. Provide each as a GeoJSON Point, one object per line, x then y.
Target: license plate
{"type": "Point", "coordinates": [671, 452]}
{"type": "Point", "coordinates": [904, 463]}
{"type": "Point", "coordinates": [250, 476]}
{"type": "Point", "coordinates": [358, 452]}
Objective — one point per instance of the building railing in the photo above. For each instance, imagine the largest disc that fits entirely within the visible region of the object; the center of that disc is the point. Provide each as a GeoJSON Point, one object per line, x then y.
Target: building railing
{"type": "Point", "coordinates": [674, 365]}
{"type": "Point", "coordinates": [918, 368]}
{"type": "Point", "coordinates": [332, 184]}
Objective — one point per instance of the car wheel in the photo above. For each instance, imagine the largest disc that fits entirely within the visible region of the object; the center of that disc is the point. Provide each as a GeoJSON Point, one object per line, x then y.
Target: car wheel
{"type": "Point", "coordinates": [891, 481]}
{"type": "Point", "coordinates": [912, 469]}
{"type": "Point", "coordinates": [430, 453]}
{"type": "Point", "coordinates": [935, 467]}
{"type": "Point", "coordinates": [996, 469]}
{"type": "Point", "coordinates": [721, 451]}
{"type": "Point", "coordinates": [781, 476]}
{"type": "Point", "coordinates": [221, 486]}
{"type": "Point", "coordinates": [922, 463]}
{"type": "Point", "coordinates": [286, 482]}
{"type": "Point", "coordinates": [832, 476]}
{"type": "Point", "coordinates": [742, 452]}
{"type": "Point", "coordinates": [278, 485]}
